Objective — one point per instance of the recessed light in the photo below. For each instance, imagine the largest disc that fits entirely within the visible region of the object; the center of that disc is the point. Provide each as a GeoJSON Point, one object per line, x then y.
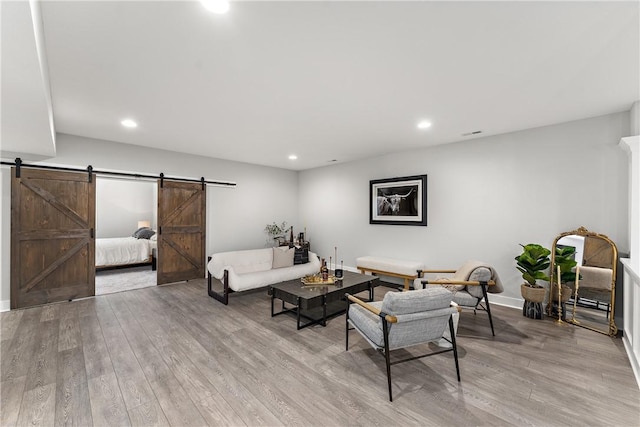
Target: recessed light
{"type": "Point", "coordinates": [216, 6]}
{"type": "Point", "coordinates": [424, 124]}
{"type": "Point", "coordinates": [128, 123]}
{"type": "Point", "coordinates": [293, 157]}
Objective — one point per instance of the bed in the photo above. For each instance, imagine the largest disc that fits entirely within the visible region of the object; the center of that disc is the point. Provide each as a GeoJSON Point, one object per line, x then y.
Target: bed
{"type": "Point", "coordinates": [124, 251]}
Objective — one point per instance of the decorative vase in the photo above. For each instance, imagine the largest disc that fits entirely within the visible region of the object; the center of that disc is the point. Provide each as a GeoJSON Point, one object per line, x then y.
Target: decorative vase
{"type": "Point", "coordinates": [533, 297]}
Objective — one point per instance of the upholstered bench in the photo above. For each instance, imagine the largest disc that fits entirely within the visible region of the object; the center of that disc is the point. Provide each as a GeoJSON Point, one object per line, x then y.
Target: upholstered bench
{"type": "Point", "coordinates": [379, 266]}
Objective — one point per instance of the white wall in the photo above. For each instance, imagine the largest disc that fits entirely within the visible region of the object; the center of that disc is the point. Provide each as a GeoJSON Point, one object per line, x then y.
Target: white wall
{"type": "Point", "coordinates": [484, 197]}
{"type": "Point", "coordinates": [634, 115]}
{"type": "Point", "coordinates": [236, 217]}
{"type": "Point", "coordinates": [120, 204]}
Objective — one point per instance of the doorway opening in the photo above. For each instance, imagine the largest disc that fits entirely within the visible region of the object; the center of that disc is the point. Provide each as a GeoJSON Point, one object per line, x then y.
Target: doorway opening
{"type": "Point", "coordinates": [126, 237]}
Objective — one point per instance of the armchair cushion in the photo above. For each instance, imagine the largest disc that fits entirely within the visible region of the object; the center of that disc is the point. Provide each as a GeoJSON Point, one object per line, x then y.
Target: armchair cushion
{"type": "Point", "coordinates": [465, 298]}
{"type": "Point", "coordinates": [422, 316]}
{"type": "Point", "coordinates": [397, 303]}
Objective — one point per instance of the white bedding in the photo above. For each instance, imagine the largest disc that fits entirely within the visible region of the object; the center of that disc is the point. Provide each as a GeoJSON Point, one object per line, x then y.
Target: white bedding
{"type": "Point", "coordinates": [122, 251]}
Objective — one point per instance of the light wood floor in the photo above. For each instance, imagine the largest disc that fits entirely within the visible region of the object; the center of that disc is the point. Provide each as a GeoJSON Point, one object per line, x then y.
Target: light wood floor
{"type": "Point", "coordinates": [171, 355]}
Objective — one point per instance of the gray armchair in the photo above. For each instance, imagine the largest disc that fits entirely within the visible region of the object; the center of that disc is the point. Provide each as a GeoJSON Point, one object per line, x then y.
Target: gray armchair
{"type": "Point", "coordinates": [404, 319]}
{"type": "Point", "coordinates": [469, 285]}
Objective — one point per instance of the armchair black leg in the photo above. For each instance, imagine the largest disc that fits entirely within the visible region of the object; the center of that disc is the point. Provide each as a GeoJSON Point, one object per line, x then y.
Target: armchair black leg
{"type": "Point", "coordinates": [346, 328]}
{"type": "Point", "coordinates": [483, 285]}
{"type": "Point", "coordinates": [455, 347]}
{"type": "Point", "coordinates": [385, 329]}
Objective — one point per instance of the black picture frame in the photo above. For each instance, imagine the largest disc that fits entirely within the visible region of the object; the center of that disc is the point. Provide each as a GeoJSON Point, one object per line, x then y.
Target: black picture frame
{"type": "Point", "coordinates": [398, 201]}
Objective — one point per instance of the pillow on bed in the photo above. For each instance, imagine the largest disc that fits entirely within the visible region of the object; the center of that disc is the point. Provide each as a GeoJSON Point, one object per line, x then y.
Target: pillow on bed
{"type": "Point", "coordinates": [154, 238]}
{"type": "Point", "coordinates": [143, 233]}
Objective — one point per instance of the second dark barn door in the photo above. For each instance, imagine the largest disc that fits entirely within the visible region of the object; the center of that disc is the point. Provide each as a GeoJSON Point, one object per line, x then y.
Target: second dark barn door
{"type": "Point", "coordinates": [181, 231]}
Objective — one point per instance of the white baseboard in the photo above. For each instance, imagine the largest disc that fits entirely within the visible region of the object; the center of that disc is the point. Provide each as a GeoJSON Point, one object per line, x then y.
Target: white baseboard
{"type": "Point", "coordinates": [5, 305]}
{"type": "Point", "coordinates": [498, 299]}
{"type": "Point", "coordinates": [633, 360]}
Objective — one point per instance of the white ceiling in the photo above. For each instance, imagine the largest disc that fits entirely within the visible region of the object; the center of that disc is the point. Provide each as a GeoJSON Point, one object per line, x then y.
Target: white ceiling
{"type": "Point", "coordinates": [27, 127]}
{"type": "Point", "coordinates": [333, 80]}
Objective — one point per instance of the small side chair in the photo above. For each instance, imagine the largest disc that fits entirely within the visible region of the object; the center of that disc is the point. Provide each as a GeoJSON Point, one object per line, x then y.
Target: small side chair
{"type": "Point", "coordinates": [404, 319]}
{"type": "Point", "coordinates": [469, 285]}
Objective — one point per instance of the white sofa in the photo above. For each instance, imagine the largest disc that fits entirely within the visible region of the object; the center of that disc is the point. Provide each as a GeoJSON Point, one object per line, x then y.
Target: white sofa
{"type": "Point", "coordinates": [251, 269]}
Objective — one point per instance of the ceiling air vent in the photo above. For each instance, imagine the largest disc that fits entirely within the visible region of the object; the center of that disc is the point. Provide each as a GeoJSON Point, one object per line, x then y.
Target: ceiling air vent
{"type": "Point", "coordinates": [475, 132]}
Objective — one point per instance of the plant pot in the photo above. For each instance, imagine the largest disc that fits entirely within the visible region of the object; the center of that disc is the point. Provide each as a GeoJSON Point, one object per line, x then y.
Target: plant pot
{"type": "Point", "coordinates": [532, 294]}
{"type": "Point", "coordinates": [533, 297]}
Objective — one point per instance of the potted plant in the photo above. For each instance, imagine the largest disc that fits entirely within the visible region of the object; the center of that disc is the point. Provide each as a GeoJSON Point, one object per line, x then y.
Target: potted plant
{"type": "Point", "coordinates": [275, 231]}
{"type": "Point", "coordinates": [532, 263]}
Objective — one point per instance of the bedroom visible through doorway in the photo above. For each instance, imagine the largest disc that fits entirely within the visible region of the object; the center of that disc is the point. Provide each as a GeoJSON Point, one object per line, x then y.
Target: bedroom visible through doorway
{"type": "Point", "coordinates": [126, 245]}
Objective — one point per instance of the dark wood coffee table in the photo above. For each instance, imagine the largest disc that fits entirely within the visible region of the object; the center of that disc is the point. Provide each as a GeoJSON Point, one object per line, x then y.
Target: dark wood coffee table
{"type": "Point", "coordinates": [318, 303]}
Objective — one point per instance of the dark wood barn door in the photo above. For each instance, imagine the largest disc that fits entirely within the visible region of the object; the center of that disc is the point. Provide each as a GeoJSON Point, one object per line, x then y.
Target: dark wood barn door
{"type": "Point", "coordinates": [52, 242]}
{"type": "Point", "coordinates": [181, 231]}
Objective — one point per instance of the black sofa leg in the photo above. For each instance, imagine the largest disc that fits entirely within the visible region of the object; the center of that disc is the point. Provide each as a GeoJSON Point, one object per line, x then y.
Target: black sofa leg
{"type": "Point", "coordinates": [222, 297]}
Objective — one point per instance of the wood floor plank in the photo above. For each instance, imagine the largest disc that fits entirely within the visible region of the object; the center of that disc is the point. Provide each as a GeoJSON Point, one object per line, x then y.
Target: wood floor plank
{"type": "Point", "coordinates": [134, 386]}
{"type": "Point", "coordinates": [148, 415]}
{"type": "Point", "coordinates": [15, 354]}
{"type": "Point", "coordinates": [172, 352]}
{"type": "Point", "coordinates": [86, 306]}
{"type": "Point", "coordinates": [175, 403]}
{"type": "Point", "coordinates": [39, 404]}
{"type": "Point", "coordinates": [69, 335]}
{"type": "Point", "coordinates": [50, 312]}
{"type": "Point", "coordinates": [107, 404]}
{"type": "Point", "coordinates": [97, 360]}
{"type": "Point", "coordinates": [44, 362]}
{"type": "Point", "coordinates": [208, 401]}
{"type": "Point", "coordinates": [236, 394]}
{"type": "Point", "coordinates": [9, 324]}
{"type": "Point", "coordinates": [355, 402]}
{"type": "Point", "coordinates": [11, 393]}
{"type": "Point", "coordinates": [73, 406]}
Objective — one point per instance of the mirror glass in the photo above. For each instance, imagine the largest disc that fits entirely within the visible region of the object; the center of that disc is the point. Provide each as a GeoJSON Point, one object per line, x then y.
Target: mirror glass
{"type": "Point", "coordinates": [588, 300]}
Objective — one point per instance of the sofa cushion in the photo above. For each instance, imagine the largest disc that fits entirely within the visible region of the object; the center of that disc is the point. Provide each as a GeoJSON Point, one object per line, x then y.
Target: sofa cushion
{"type": "Point", "coordinates": [391, 265]}
{"type": "Point", "coordinates": [259, 279]}
{"type": "Point", "coordinates": [283, 257]}
{"type": "Point", "coordinates": [247, 261]}
{"type": "Point", "coordinates": [301, 256]}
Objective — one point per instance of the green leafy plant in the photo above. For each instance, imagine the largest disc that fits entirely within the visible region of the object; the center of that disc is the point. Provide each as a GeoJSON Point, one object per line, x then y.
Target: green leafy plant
{"type": "Point", "coordinates": [564, 258]}
{"type": "Point", "coordinates": [275, 230]}
{"type": "Point", "coordinates": [532, 263]}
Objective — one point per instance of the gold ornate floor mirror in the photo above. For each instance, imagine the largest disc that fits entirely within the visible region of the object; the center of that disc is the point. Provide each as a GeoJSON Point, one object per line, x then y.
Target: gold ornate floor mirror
{"type": "Point", "coordinates": [584, 263]}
